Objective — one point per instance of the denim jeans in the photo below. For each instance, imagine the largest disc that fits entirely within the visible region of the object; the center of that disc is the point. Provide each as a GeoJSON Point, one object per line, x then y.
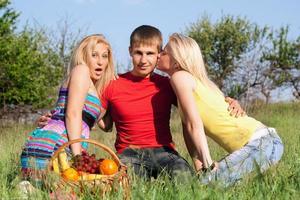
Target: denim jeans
{"type": "Point", "coordinates": [257, 155]}
{"type": "Point", "coordinates": [151, 162]}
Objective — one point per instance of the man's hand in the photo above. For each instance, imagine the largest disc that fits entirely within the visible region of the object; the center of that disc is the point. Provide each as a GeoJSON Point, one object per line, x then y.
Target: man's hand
{"type": "Point", "coordinates": [234, 107]}
{"type": "Point", "coordinates": [43, 120]}
{"type": "Point", "coordinates": [106, 123]}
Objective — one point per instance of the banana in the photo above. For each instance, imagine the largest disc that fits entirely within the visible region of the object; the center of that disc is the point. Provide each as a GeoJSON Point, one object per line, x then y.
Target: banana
{"type": "Point", "coordinates": [55, 165]}
{"type": "Point", "coordinates": [63, 160]}
{"type": "Point", "coordinates": [89, 177]}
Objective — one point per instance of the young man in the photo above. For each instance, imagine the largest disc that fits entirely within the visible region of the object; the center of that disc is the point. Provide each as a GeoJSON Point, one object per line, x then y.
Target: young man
{"type": "Point", "coordinates": [140, 105]}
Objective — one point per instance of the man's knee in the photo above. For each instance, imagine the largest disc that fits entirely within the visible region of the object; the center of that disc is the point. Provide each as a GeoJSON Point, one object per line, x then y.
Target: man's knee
{"type": "Point", "coordinates": [180, 170]}
{"type": "Point", "coordinates": [182, 165]}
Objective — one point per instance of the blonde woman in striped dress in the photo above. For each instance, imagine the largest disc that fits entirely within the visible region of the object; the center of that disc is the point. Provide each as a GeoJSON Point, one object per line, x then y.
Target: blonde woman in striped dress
{"type": "Point", "coordinates": [77, 109]}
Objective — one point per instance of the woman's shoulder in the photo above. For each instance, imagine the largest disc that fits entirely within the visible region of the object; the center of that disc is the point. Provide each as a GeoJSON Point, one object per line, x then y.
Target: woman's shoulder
{"type": "Point", "coordinates": [78, 78]}
{"type": "Point", "coordinates": [181, 74]}
{"type": "Point", "coordinates": [80, 74]}
{"type": "Point", "coordinates": [80, 69]}
{"type": "Point", "coordinates": [182, 77]}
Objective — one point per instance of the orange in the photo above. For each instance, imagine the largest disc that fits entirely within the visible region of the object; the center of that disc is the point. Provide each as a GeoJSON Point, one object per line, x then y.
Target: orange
{"type": "Point", "coordinates": [70, 174]}
{"type": "Point", "coordinates": [108, 167]}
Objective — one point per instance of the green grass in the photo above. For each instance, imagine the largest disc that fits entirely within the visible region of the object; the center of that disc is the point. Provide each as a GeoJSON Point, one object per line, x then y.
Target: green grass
{"type": "Point", "coordinates": [280, 182]}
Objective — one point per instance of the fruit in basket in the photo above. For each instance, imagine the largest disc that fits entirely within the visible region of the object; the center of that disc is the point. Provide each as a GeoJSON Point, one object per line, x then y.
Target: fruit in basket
{"type": "Point", "coordinates": [55, 165]}
{"type": "Point", "coordinates": [70, 174]}
{"type": "Point", "coordinates": [108, 167]}
{"type": "Point", "coordinates": [89, 177]}
{"type": "Point", "coordinates": [63, 160]}
{"type": "Point", "coordinates": [86, 163]}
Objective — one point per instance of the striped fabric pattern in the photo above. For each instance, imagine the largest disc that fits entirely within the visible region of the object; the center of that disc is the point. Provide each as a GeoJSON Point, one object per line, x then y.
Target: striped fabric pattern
{"type": "Point", "coordinates": [92, 104]}
{"type": "Point", "coordinates": [40, 147]}
{"type": "Point", "coordinates": [43, 142]}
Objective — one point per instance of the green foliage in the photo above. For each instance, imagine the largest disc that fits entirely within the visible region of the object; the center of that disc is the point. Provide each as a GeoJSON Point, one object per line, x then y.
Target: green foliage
{"type": "Point", "coordinates": [236, 90]}
{"type": "Point", "coordinates": [29, 69]}
{"type": "Point", "coordinates": [8, 18]}
{"type": "Point", "coordinates": [242, 57]}
{"type": "Point", "coordinates": [223, 43]}
{"type": "Point", "coordinates": [284, 58]}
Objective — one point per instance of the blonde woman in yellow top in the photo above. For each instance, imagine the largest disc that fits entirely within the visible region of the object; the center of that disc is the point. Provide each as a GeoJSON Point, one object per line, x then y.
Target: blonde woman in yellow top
{"type": "Point", "coordinates": [204, 112]}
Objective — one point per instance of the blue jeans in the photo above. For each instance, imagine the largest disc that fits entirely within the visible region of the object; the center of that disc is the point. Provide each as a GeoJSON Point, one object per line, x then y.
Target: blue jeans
{"type": "Point", "coordinates": [258, 154]}
{"type": "Point", "coordinates": [151, 162]}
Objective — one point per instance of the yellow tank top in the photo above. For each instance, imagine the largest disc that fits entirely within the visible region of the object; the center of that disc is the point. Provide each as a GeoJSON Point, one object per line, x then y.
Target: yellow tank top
{"type": "Point", "coordinates": [229, 132]}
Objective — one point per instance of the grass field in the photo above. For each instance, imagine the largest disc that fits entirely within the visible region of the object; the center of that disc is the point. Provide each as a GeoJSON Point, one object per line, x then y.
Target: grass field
{"type": "Point", "coordinates": [280, 182]}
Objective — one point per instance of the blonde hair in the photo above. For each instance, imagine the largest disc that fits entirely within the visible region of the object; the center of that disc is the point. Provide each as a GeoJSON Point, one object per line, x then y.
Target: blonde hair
{"type": "Point", "coordinates": [80, 57]}
{"type": "Point", "coordinates": [187, 54]}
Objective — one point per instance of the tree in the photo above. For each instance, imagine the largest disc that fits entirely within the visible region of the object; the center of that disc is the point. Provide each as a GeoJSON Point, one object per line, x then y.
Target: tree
{"type": "Point", "coordinates": [250, 78]}
{"type": "Point", "coordinates": [243, 58]}
{"type": "Point", "coordinates": [8, 18]}
{"type": "Point", "coordinates": [223, 44]}
{"type": "Point", "coordinates": [7, 26]}
{"type": "Point", "coordinates": [284, 58]}
{"type": "Point", "coordinates": [29, 68]}
{"type": "Point", "coordinates": [63, 40]}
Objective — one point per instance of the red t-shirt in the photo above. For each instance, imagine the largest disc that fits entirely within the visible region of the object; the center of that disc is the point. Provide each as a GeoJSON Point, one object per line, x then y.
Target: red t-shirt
{"type": "Point", "coordinates": [140, 108]}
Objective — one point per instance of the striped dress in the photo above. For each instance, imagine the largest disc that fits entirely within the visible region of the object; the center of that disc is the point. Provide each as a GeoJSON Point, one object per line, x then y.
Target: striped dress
{"type": "Point", "coordinates": [43, 142]}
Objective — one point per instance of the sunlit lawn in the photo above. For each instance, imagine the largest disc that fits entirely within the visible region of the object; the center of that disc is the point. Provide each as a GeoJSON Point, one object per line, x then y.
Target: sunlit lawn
{"type": "Point", "coordinates": [280, 182]}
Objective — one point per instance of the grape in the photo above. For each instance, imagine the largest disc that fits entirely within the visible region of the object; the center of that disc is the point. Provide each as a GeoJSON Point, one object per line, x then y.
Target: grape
{"type": "Point", "coordinates": [87, 163]}
{"type": "Point", "coordinates": [95, 165]}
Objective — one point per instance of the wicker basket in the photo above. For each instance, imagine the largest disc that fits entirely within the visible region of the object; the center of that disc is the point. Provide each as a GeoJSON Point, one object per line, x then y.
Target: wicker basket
{"type": "Point", "coordinates": [102, 183]}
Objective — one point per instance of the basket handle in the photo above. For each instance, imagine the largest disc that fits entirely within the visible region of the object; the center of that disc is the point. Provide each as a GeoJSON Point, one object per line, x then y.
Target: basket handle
{"type": "Point", "coordinates": [107, 149]}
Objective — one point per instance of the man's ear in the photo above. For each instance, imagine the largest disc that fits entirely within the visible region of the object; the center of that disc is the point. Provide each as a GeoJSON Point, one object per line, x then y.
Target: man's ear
{"type": "Point", "coordinates": [176, 66]}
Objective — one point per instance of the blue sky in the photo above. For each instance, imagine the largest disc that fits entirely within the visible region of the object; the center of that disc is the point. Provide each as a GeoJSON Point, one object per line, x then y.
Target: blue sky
{"type": "Point", "coordinates": [116, 19]}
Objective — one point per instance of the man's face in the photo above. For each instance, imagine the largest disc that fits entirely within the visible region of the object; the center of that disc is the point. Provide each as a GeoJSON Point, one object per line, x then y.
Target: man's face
{"type": "Point", "coordinates": [144, 59]}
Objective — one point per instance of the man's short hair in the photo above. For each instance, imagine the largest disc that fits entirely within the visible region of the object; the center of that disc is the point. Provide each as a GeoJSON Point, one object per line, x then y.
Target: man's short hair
{"type": "Point", "coordinates": [146, 35]}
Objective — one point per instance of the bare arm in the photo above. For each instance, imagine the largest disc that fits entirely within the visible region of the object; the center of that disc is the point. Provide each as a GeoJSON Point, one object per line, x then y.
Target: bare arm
{"type": "Point", "coordinates": [191, 149]}
{"type": "Point", "coordinates": [77, 90]}
{"type": "Point", "coordinates": [183, 85]}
